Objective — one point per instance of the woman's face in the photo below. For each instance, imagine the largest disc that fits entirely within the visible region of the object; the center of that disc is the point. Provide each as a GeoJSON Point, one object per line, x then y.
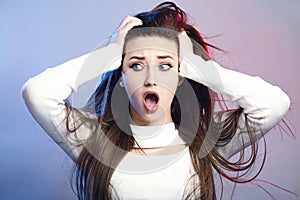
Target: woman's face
{"type": "Point", "coordinates": [150, 78]}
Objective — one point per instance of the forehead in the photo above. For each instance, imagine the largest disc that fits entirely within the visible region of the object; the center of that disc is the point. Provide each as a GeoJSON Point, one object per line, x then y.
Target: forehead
{"type": "Point", "coordinates": [159, 44]}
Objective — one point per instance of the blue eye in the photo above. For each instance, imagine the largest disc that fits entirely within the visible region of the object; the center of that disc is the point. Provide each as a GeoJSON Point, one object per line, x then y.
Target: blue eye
{"type": "Point", "coordinates": [165, 67]}
{"type": "Point", "coordinates": [137, 67]}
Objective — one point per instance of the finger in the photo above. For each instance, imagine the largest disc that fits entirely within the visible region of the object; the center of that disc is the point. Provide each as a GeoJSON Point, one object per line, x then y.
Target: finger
{"type": "Point", "coordinates": [125, 20]}
{"type": "Point", "coordinates": [186, 44]}
{"type": "Point", "coordinates": [183, 35]}
{"type": "Point", "coordinates": [130, 25]}
{"type": "Point", "coordinates": [130, 20]}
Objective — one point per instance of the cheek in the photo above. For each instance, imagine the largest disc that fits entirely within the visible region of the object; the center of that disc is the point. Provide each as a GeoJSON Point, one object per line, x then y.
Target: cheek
{"type": "Point", "coordinates": [133, 81]}
{"type": "Point", "coordinates": [166, 98]}
{"type": "Point", "coordinates": [169, 80]}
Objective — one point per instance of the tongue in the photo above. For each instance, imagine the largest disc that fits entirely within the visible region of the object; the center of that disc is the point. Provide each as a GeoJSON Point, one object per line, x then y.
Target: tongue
{"type": "Point", "coordinates": [150, 101]}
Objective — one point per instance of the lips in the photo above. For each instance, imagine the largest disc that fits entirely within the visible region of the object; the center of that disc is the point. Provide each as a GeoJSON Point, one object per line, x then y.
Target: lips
{"type": "Point", "coordinates": [151, 100]}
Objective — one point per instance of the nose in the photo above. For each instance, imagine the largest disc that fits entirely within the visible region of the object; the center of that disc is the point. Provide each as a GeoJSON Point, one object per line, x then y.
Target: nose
{"type": "Point", "coordinates": [150, 78]}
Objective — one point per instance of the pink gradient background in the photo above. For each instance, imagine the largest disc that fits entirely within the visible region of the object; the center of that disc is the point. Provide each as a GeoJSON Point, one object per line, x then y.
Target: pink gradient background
{"type": "Point", "coordinates": [262, 38]}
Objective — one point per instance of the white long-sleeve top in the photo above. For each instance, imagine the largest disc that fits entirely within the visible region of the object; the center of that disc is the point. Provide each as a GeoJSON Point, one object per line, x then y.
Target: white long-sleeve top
{"type": "Point", "coordinates": [45, 93]}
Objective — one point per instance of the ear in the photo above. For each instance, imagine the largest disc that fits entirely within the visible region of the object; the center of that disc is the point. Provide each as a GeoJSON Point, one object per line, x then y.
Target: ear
{"type": "Point", "coordinates": [180, 81]}
{"type": "Point", "coordinates": [179, 59]}
{"type": "Point", "coordinates": [121, 82]}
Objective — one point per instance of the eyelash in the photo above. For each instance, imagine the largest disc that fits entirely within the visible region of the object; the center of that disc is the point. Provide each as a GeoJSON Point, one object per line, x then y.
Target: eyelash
{"type": "Point", "coordinates": [160, 66]}
{"type": "Point", "coordinates": [169, 65]}
{"type": "Point", "coordinates": [136, 64]}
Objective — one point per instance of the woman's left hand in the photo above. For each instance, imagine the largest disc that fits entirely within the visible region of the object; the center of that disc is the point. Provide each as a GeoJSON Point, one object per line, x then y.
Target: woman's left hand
{"type": "Point", "coordinates": [185, 44]}
{"type": "Point", "coordinates": [191, 65]}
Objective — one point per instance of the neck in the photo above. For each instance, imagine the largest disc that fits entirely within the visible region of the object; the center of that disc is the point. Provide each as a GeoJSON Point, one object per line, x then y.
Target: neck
{"type": "Point", "coordinates": [156, 136]}
{"type": "Point", "coordinates": [143, 122]}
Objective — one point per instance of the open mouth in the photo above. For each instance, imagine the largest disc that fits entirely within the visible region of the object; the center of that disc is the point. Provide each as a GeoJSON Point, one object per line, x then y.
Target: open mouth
{"type": "Point", "coordinates": [151, 100]}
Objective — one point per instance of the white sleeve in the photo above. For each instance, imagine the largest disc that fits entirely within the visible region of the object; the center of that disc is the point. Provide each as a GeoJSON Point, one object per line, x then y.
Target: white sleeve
{"type": "Point", "coordinates": [45, 93]}
{"type": "Point", "coordinates": [264, 104]}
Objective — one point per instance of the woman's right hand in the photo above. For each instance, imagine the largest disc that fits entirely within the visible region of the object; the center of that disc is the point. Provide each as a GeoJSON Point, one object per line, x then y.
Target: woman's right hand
{"type": "Point", "coordinates": [128, 23]}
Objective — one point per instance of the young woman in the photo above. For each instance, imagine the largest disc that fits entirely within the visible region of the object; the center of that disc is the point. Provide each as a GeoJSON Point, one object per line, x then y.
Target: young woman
{"type": "Point", "coordinates": [150, 130]}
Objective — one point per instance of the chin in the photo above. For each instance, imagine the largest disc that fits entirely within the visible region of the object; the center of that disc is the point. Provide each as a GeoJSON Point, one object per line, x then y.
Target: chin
{"type": "Point", "coordinates": [155, 118]}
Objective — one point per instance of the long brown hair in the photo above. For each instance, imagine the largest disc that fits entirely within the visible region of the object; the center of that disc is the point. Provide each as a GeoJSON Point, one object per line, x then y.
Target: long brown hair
{"type": "Point", "coordinates": [93, 176]}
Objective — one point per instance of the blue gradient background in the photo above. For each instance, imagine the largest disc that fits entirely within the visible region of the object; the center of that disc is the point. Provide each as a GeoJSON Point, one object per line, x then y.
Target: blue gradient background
{"type": "Point", "coordinates": [262, 38]}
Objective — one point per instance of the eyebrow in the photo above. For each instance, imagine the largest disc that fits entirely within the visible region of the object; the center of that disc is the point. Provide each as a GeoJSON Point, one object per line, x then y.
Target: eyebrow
{"type": "Point", "coordinates": [137, 58]}
{"type": "Point", "coordinates": [143, 58]}
{"type": "Point", "coordinates": [165, 56]}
